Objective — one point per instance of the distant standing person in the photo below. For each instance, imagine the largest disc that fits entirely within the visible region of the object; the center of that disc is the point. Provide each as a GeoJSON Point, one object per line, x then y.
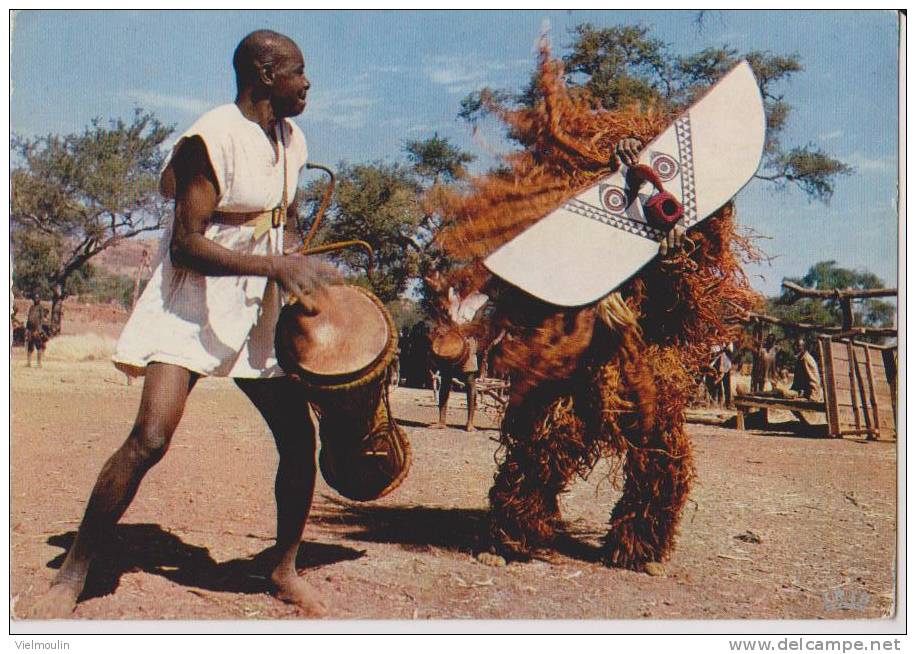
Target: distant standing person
{"type": "Point", "coordinates": [764, 366]}
{"type": "Point", "coordinates": [462, 311]}
{"type": "Point", "coordinates": [729, 353]}
{"type": "Point", "coordinates": [721, 366]}
{"type": "Point", "coordinates": [35, 337]}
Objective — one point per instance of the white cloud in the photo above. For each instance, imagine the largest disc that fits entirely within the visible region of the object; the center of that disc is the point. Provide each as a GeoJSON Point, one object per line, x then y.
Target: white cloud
{"type": "Point", "coordinates": [829, 136]}
{"type": "Point", "coordinates": [394, 70]}
{"type": "Point", "coordinates": [729, 37]}
{"type": "Point", "coordinates": [863, 163]}
{"type": "Point", "coordinates": [344, 107]}
{"type": "Point", "coordinates": [369, 72]}
{"type": "Point", "coordinates": [163, 100]}
{"type": "Point", "coordinates": [419, 128]}
{"type": "Point", "coordinates": [462, 74]}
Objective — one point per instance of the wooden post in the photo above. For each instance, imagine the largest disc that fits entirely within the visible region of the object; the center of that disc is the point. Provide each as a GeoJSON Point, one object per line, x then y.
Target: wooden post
{"type": "Point", "coordinates": [852, 385]}
{"type": "Point", "coordinates": [890, 369]}
{"type": "Point", "coordinates": [846, 307]}
{"type": "Point", "coordinates": [854, 364]}
{"type": "Point", "coordinates": [871, 390]}
{"type": "Point", "coordinates": [829, 383]}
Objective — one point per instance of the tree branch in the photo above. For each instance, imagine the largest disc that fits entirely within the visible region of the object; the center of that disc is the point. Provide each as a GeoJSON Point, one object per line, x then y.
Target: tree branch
{"type": "Point", "coordinates": [34, 221]}
{"type": "Point", "coordinates": [824, 329]}
{"type": "Point", "coordinates": [836, 293]}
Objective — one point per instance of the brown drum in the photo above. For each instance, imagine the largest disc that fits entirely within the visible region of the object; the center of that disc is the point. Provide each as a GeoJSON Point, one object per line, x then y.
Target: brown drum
{"type": "Point", "coordinates": [342, 355]}
{"type": "Point", "coordinates": [449, 346]}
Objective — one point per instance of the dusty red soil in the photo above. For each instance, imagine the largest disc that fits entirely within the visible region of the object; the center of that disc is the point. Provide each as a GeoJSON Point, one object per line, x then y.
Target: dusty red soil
{"type": "Point", "coordinates": [823, 512]}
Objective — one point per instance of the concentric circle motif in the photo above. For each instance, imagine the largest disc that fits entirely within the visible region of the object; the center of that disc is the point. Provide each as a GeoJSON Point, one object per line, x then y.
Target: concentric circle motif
{"type": "Point", "coordinates": [614, 199]}
{"type": "Point", "coordinates": [664, 166]}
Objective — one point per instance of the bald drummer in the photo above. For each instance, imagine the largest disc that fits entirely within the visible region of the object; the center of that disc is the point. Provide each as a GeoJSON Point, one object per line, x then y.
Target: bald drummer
{"type": "Point", "coordinates": [212, 304]}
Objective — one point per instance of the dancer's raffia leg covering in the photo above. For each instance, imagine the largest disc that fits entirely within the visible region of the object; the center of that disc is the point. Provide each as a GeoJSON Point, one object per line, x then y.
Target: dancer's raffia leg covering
{"type": "Point", "coordinates": [642, 412]}
{"type": "Point", "coordinates": [644, 521]}
{"type": "Point", "coordinates": [540, 437]}
{"type": "Point", "coordinates": [625, 400]}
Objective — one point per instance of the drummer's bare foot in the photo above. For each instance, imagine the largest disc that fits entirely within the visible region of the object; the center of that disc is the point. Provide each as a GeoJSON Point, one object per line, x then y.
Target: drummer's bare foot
{"type": "Point", "coordinates": [56, 604]}
{"type": "Point", "coordinates": [437, 425]}
{"type": "Point", "coordinates": [289, 587]}
{"type": "Point", "coordinates": [469, 428]}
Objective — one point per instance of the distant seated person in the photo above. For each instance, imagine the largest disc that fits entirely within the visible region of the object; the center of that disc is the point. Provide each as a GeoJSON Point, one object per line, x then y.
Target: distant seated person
{"type": "Point", "coordinates": [807, 380]}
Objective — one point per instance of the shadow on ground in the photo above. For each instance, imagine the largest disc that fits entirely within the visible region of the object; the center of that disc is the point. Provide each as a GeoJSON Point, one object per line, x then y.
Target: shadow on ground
{"type": "Point", "coordinates": [459, 426]}
{"type": "Point", "coordinates": [422, 528]}
{"type": "Point", "coordinates": [149, 548]}
{"type": "Point", "coordinates": [793, 428]}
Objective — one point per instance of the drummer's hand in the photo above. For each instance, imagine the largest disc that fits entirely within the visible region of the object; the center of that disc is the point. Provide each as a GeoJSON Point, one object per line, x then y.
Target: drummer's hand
{"type": "Point", "coordinates": [305, 278]}
{"type": "Point", "coordinates": [674, 240]}
{"type": "Point", "coordinates": [627, 152]}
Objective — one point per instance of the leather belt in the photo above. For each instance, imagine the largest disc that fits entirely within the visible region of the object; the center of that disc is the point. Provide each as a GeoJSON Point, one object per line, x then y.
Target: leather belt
{"type": "Point", "coordinates": [262, 221]}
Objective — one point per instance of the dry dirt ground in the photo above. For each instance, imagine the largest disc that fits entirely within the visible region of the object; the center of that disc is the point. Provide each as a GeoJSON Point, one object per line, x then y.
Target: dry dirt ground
{"type": "Point", "coordinates": [778, 526]}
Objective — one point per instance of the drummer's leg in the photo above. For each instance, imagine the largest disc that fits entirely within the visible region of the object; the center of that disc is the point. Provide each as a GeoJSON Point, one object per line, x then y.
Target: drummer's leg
{"type": "Point", "coordinates": [445, 388]}
{"type": "Point", "coordinates": [165, 391]}
{"type": "Point", "coordinates": [472, 399]}
{"type": "Point", "coordinates": [282, 403]}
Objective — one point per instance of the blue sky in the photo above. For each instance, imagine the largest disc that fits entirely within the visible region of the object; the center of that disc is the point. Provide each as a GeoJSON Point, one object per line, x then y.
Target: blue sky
{"type": "Point", "coordinates": [380, 78]}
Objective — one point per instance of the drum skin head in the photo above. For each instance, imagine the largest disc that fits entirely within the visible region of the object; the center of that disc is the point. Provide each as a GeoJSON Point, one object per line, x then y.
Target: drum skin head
{"type": "Point", "coordinates": [449, 346]}
{"type": "Point", "coordinates": [347, 337]}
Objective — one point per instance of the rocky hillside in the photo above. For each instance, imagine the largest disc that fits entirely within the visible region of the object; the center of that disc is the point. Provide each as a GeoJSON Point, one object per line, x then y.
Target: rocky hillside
{"type": "Point", "coordinates": [124, 257]}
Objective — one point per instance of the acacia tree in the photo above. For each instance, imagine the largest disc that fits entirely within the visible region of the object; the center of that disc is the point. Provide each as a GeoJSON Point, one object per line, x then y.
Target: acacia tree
{"type": "Point", "coordinates": [382, 203]}
{"type": "Point", "coordinates": [437, 163]}
{"type": "Point", "coordinates": [378, 203]}
{"type": "Point", "coordinates": [827, 275]}
{"type": "Point", "coordinates": [625, 64]}
{"type": "Point", "coordinates": [74, 196]}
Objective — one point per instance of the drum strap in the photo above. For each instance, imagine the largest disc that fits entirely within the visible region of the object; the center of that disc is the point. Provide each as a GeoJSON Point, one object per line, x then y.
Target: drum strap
{"type": "Point", "coordinates": [387, 400]}
{"type": "Point", "coordinates": [262, 221]}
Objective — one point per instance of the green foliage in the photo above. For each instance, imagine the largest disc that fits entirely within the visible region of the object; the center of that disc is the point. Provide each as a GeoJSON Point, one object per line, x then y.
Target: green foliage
{"type": "Point", "coordinates": [405, 313]}
{"type": "Point", "coordinates": [378, 203]}
{"type": "Point", "coordinates": [382, 203]}
{"type": "Point", "coordinates": [620, 64]}
{"type": "Point", "coordinates": [624, 64]}
{"type": "Point", "coordinates": [869, 312]}
{"type": "Point", "coordinates": [473, 106]}
{"type": "Point", "coordinates": [435, 159]}
{"type": "Point", "coordinates": [95, 284]}
{"type": "Point", "coordinates": [809, 168]}
{"type": "Point", "coordinates": [73, 196]}
{"type": "Point", "coordinates": [36, 257]}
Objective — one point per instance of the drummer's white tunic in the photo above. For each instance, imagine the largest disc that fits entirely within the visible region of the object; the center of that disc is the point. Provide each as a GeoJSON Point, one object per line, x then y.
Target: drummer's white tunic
{"type": "Point", "coordinates": [220, 326]}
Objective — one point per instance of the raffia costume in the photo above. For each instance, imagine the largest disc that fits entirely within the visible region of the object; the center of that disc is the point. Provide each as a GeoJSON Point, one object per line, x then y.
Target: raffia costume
{"type": "Point", "coordinates": [610, 379]}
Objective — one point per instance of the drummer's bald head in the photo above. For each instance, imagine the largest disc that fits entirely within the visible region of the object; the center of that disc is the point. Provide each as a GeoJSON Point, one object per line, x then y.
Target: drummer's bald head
{"type": "Point", "coordinates": [255, 50]}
